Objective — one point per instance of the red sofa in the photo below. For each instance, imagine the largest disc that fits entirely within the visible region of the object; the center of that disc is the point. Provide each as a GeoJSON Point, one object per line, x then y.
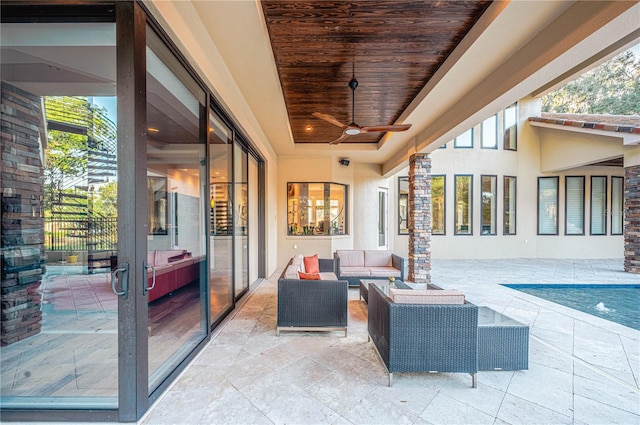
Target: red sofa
{"type": "Point", "coordinates": [174, 269]}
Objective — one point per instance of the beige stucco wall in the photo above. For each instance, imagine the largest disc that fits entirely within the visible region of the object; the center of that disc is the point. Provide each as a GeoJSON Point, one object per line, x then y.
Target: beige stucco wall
{"type": "Point", "coordinates": [524, 164]}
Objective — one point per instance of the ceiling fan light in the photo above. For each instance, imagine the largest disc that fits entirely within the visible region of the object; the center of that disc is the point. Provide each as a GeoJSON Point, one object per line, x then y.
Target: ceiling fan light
{"type": "Point", "coordinates": [352, 131]}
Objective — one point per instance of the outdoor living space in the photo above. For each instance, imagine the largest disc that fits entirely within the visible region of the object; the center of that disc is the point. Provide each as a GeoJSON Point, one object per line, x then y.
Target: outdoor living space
{"type": "Point", "coordinates": [582, 369]}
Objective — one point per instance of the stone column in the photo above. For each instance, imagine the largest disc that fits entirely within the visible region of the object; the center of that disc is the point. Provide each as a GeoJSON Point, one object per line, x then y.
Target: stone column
{"type": "Point", "coordinates": [419, 218]}
{"type": "Point", "coordinates": [22, 230]}
{"type": "Point", "coordinates": [632, 219]}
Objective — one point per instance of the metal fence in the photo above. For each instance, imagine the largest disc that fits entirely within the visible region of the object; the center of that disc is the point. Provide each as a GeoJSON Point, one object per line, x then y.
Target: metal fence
{"type": "Point", "coordinates": [84, 234]}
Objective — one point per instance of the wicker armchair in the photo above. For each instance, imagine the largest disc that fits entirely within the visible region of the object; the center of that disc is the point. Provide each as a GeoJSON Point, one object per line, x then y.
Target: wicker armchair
{"type": "Point", "coordinates": [312, 305]}
{"type": "Point", "coordinates": [424, 337]}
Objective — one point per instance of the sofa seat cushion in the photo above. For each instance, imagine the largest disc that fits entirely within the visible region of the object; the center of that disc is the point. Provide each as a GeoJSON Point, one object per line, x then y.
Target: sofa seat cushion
{"type": "Point", "coordinates": [162, 269]}
{"type": "Point", "coordinates": [377, 258]}
{"type": "Point", "coordinates": [355, 271]}
{"type": "Point", "coordinates": [351, 258]}
{"type": "Point", "coordinates": [328, 276]}
{"type": "Point", "coordinates": [384, 272]}
{"type": "Point", "coordinates": [427, 296]}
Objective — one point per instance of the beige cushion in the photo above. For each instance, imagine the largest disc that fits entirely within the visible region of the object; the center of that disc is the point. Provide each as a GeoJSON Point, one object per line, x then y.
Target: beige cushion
{"type": "Point", "coordinates": [384, 272]}
{"type": "Point", "coordinates": [377, 258]}
{"type": "Point", "coordinates": [298, 263]}
{"type": "Point", "coordinates": [328, 276]}
{"type": "Point", "coordinates": [351, 258]}
{"type": "Point", "coordinates": [428, 296]}
{"type": "Point", "coordinates": [355, 271]}
{"type": "Point", "coordinates": [291, 272]}
{"type": "Point", "coordinates": [162, 256]}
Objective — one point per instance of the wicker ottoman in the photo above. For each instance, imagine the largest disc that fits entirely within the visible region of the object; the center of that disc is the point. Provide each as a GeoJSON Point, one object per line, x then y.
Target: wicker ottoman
{"type": "Point", "coordinates": [503, 343]}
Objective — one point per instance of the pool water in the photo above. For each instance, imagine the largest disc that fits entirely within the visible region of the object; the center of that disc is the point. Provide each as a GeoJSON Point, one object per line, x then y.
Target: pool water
{"type": "Point", "coordinates": [617, 303]}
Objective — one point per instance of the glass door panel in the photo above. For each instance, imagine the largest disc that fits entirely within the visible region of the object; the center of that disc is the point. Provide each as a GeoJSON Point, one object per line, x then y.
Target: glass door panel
{"type": "Point", "coordinates": [221, 217]}
{"type": "Point", "coordinates": [253, 223]}
{"type": "Point", "coordinates": [59, 214]}
{"type": "Point", "coordinates": [178, 196]}
{"type": "Point", "coordinates": [241, 197]}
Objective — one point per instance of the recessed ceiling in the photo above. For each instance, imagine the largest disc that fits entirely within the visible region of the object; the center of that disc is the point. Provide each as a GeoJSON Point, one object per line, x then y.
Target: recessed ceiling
{"type": "Point", "coordinates": [392, 47]}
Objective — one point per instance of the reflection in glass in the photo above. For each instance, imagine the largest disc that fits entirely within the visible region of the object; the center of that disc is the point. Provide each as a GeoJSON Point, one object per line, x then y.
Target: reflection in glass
{"type": "Point", "coordinates": [403, 205]}
{"type": "Point", "coordinates": [510, 128]}
{"type": "Point", "coordinates": [240, 214]}
{"type": "Point", "coordinates": [438, 204]}
{"type": "Point", "coordinates": [617, 197]}
{"type": "Point", "coordinates": [465, 140]}
{"type": "Point", "coordinates": [157, 187]}
{"type": "Point", "coordinates": [490, 132]}
{"type": "Point", "coordinates": [59, 193]}
{"type": "Point", "coordinates": [489, 205]}
{"type": "Point", "coordinates": [464, 201]}
{"type": "Point", "coordinates": [316, 209]}
{"type": "Point", "coordinates": [221, 210]}
{"type": "Point", "coordinates": [509, 205]}
{"type": "Point", "coordinates": [598, 205]}
{"type": "Point", "coordinates": [382, 217]}
{"type": "Point", "coordinates": [547, 205]}
{"type": "Point", "coordinates": [175, 153]}
{"type": "Point", "coordinates": [574, 217]}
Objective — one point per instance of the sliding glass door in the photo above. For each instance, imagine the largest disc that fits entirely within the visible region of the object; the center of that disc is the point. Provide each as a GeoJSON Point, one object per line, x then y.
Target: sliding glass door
{"type": "Point", "coordinates": [60, 208]}
{"type": "Point", "coordinates": [128, 210]}
{"type": "Point", "coordinates": [177, 200]}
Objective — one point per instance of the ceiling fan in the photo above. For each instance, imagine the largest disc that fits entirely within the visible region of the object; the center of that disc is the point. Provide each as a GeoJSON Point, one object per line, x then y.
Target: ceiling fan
{"type": "Point", "coordinates": [354, 129]}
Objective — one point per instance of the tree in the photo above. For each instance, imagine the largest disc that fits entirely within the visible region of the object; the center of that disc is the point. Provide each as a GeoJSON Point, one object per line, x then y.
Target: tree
{"type": "Point", "coordinates": [611, 88]}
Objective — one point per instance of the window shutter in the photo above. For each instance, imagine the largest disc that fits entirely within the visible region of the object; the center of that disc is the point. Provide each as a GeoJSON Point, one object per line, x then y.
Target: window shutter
{"type": "Point", "coordinates": [598, 205]}
{"type": "Point", "coordinates": [617, 194]}
{"type": "Point", "coordinates": [574, 224]}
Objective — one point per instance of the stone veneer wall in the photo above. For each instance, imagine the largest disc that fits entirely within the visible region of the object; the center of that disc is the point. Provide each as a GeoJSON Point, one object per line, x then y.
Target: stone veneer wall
{"type": "Point", "coordinates": [419, 218]}
{"type": "Point", "coordinates": [632, 219]}
{"type": "Point", "coordinates": [22, 230]}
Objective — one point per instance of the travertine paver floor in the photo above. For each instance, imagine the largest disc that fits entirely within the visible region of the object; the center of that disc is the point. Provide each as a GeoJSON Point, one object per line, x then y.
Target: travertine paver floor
{"type": "Point", "coordinates": [582, 369]}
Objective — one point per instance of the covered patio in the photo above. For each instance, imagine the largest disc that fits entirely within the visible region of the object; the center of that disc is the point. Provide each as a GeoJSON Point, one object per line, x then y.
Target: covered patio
{"type": "Point", "coordinates": [582, 369]}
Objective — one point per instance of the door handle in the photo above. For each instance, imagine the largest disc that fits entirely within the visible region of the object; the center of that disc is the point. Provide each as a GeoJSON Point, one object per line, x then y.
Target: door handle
{"type": "Point", "coordinates": [123, 280]}
{"type": "Point", "coordinates": [146, 266]}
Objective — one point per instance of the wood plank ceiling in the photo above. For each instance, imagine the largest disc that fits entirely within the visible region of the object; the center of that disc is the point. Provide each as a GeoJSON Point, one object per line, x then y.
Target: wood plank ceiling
{"type": "Point", "coordinates": [392, 47]}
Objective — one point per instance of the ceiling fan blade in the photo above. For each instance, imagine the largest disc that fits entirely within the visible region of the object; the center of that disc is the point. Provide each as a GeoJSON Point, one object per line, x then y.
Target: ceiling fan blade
{"type": "Point", "coordinates": [380, 128]}
{"type": "Point", "coordinates": [339, 139]}
{"type": "Point", "coordinates": [329, 118]}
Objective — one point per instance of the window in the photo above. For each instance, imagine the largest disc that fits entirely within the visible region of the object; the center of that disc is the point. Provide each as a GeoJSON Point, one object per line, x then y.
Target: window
{"type": "Point", "coordinates": [574, 206]}
{"type": "Point", "coordinates": [465, 140]}
{"type": "Point", "coordinates": [490, 133]}
{"type": "Point", "coordinates": [617, 196]}
{"type": "Point", "coordinates": [403, 205]}
{"type": "Point", "coordinates": [489, 208]}
{"type": "Point", "coordinates": [438, 204]}
{"type": "Point", "coordinates": [464, 204]}
{"type": "Point", "coordinates": [382, 217]}
{"type": "Point", "coordinates": [316, 209]}
{"type": "Point", "coordinates": [547, 205]}
{"type": "Point", "coordinates": [510, 128]}
{"type": "Point", "coordinates": [509, 198]}
{"type": "Point", "coordinates": [598, 205]}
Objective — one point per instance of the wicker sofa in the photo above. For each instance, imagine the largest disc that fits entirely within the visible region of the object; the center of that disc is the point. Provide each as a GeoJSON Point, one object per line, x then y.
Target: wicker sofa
{"type": "Point", "coordinates": [356, 264]}
{"type": "Point", "coordinates": [311, 305]}
{"type": "Point", "coordinates": [423, 337]}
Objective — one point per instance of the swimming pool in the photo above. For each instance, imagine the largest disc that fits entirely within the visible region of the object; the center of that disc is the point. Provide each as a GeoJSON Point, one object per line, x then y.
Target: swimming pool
{"type": "Point", "coordinates": [617, 303]}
